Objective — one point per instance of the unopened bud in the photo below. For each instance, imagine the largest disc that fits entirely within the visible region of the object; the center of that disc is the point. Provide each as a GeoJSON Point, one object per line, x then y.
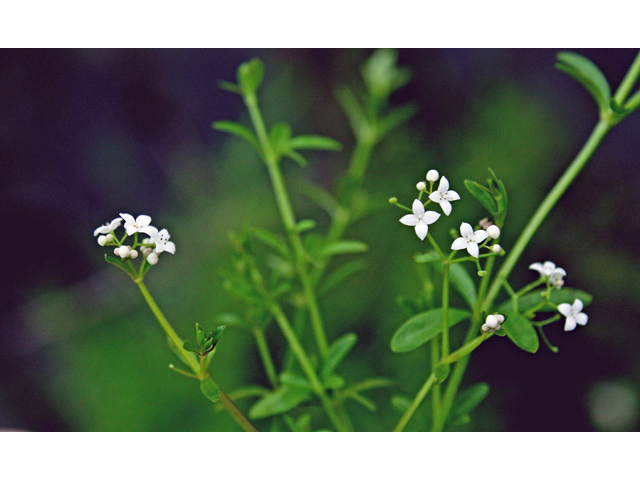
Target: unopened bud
{"type": "Point", "coordinates": [481, 273]}
{"type": "Point", "coordinates": [152, 258]}
{"type": "Point", "coordinates": [492, 321]}
{"type": "Point", "coordinates": [393, 200]}
{"type": "Point", "coordinates": [485, 328]}
{"type": "Point", "coordinates": [433, 175]}
{"type": "Point", "coordinates": [493, 231]}
{"type": "Point", "coordinates": [124, 251]}
{"type": "Point", "coordinates": [109, 237]}
{"type": "Point", "coordinates": [500, 318]}
{"type": "Point", "coordinates": [496, 248]}
{"type": "Point", "coordinates": [421, 186]}
{"type": "Point", "coordinates": [102, 240]}
{"type": "Point", "coordinates": [134, 254]}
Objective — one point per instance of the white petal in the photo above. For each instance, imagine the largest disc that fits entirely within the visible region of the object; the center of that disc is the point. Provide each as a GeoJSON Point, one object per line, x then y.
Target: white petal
{"type": "Point", "coordinates": [446, 207]}
{"type": "Point", "coordinates": [466, 230]}
{"type": "Point", "coordinates": [451, 196]}
{"type": "Point", "coordinates": [100, 229]}
{"type": "Point", "coordinates": [128, 218]}
{"type": "Point", "coordinates": [473, 250]}
{"type": "Point", "coordinates": [421, 230]}
{"type": "Point", "coordinates": [435, 197]}
{"type": "Point", "coordinates": [537, 267]}
{"type": "Point", "coordinates": [570, 324]}
{"type": "Point", "coordinates": [115, 223]}
{"type": "Point", "coordinates": [444, 185]}
{"type": "Point", "coordinates": [581, 318]}
{"type": "Point", "coordinates": [548, 268]}
{"type": "Point", "coordinates": [170, 247]}
{"type": "Point", "coordinates": [565, 309]}
{"type": "Point", "coordinates": [143, 220]}
{"type": "Point", "coordinates": [559, 271]}
{"type": "Point", "coordinates": [430, 217]}
{"type": "Point", "coordinates": [417, 207]}
{"type": "Point", "coordinates": [459, 244]}
{"type": "Point", "coordinates": [577, 306]}
{"type": "Point", "coordinates": [410, 220]}
{"type": "Point", "coordinates": [480, 236]}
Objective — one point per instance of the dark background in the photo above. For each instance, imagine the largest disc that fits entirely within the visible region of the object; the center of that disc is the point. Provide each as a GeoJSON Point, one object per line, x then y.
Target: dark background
{"type": "Point", "coordinates": [87, 134]}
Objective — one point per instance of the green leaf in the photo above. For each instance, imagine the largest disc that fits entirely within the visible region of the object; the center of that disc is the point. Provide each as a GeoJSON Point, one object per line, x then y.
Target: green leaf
{"type": "Point", "coordinates": [314, 142]}
{"type": "Point", "coordinates": [238, 130]}
{"type": "Point", "coordinates": [244, 290]}
{"type": "Point", "coordinates": [210, 389]}
{"type": "Point", "coordinates": [337, 351]}
{"type": "Point", "coordinates": [589, 75]}
{"type": "Point", "coordinates": [521, 332]}
{"type": "Point", "coordinates": [500, 196]}
{"type": "Point", "coordinates": [122, 266]}
{"type": "Point", "coordinates": [174, 349]}
{"type": "Point", "coordinates": [296, 157]}
{"type": "Point", "coordinates": [423, 327]}
{"type": "Point", "coordinates": [200, 335]}
{"type": "Point", "coordinates": [334, 382]}
{"type": "Point", "coordinates": [190, 347]}
{"type": "Point", "coordinates": [280, 137]}
{"type": "Point", "coordinates": [427, 257]}
{"type": "Point", "coordinates": [279, 401]}
{"type": "Point", "coordinates": [442, 371]}
{"type": "Point", "coordinates": [355, 113]}
{"type": "Point", "coordinates": [231, 87]}
{"type": "Point", "coordinates": [463, 283]}
{"type": "Point", "coordinates": [233, 320]}
{"type": "Point", "coordinates": [303, 424]}
{"type": "Point", "coordinates": [250, 75]}
{"type": "Point", "coordinates": [216, 334]}
{"type": "Point", "coordinates": [401, 403]}
{"type": "Point", "coordinates": [270, 240]}
{"type": "Point", "coordinates": [395, 118]}
{"type": "Point", "coordinates": [294, 380]}
{"type": "Point", "coordinates": [482, 194]}
{"type": "Point", "coordinates": [362, 400]}
{"type": "Point", "coordinates": [340, 274]}
{"type": "Point", "coordinates": [341, 247]}
{"type": "Point", "coordinates": [530, 300]}
{"type": "Point", "coordinates": [409, 305]}
{"type": "Point", "coordinates": [304, 225]}
{"type": "Point", "coordinates": [468, 400]}
{"type": "Point", "coordinates": [321, 197]}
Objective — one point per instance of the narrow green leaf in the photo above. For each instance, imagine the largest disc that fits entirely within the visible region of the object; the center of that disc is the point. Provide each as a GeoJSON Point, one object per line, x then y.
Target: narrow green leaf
{"type": "Point", "coordinates": [362, 400]}
{"type": "Point", "coordinates": [200, 335]}
{"type": "Point", "coordinates": [353, 109]}
{"type": "Point", "coordinates": [314, 142]}
{"type": "Point", "coordinates": [482, 194]}
{"type": "Point", "coordinates": [521, 332]}
{"type": "Point", "coordinates": [463, 283]}
{"type": "Point", "coordinates": [174, 349]}
{"type": "Point", "coordinates": [280, 137]}
{"type": "Point", "coordinates": [216, 334]}
{"type": "Point", "coordinates": [121, 265]}
{"type": "Point", "coordinates": [427, 257]}
{"type": "Point", "coordinates": [321, 197]}
{"type": "Point", "coordinates": [442, 371]}
{"type": "Point", "coordinates": [190, 347]}
{"type": "Point", "coordinates": [294, 380]}
{"type": "Point", "coordinates": [337, 351]}
{"type": "Point", "coordinates": [530, 300]}
{"type": "Point", "coordinates": [423, 327]}
{"type": "Point", "coordinates": [468, 400]}
{"type": "Point", "coordinates": [401, 403]}
{"type": "Point", "coordinates": [238, 130]}
{"type": "Point", "coordinates": [271, 240]}
{"type": "Point", "coordinates": [396, 117]}
{"type": "Point", "coordinates": [210, 389]}
{"type": "Point", "coordinates": [304, 225]}
{"type": "Point", "coordinates": [589, 75]}
{"type": "Point", "coordinates": [231, 319]}
{"type": "Point", "coordinates": [340, 274]}
{"type": "Point", "coordinates": [231, 87]}
{"type": "Point", "coordinates": [279, 401]}
{"type": "Point", "coordinates": [409, 305]}
{"type": "Point", "coordinates": [333, 382]}
{"type": "Point", "coordinates": [243, 290]}
{"type": "Point", "coordinates": [250, 75]}
{"type": "Point", "coordinates": [296, 157]}
{"type": "Point", "coordinates": [341, 247]}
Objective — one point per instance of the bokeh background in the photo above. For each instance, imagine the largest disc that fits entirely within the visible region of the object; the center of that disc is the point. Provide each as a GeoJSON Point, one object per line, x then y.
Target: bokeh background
{"type": "Point", "coordinates": [87, 134]}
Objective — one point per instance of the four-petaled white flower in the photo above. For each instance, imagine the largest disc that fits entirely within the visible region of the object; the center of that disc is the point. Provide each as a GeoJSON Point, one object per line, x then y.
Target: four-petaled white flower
{"type": "Point", "coordinates": [420, 219]}
{"type": "Point", "coordinates": [161, 239]}
{"type": "Point", "coordinates": [469, 239]}
{"type": "Point", "coordinates": [549, 270]}
{"type": "Point", "coordinates": [443, 196]}
{"type": "Point", "coordinates": [574, 314]}
{"type": "Point", "coordinates": [107, 227]}
{"type": "Point", "coordinates": [133, 225]}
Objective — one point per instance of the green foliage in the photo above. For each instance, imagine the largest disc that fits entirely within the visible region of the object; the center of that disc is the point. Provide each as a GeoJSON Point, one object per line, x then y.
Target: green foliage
{"type": "Point", "coordinates": [442, 372]}
{"type": "Point", "coordinates": [250, 75]}
{"type": "Point", "coordinates": [521, 332]}
{"type": "Point", "coordinates": [466, 402]}
{"type": "Point", "coordinates": [589, 75]}
{"type": "Point", "coordinates": [279, 401]}
{"type": "Point", "coordinates": [337, 351]}
{"type": "Point", "coordinates": [240, 131]}
{"type": "Point", "coordinates": [210, 389]}
{"type": "Point", "coordinates": [493, 197]}
{"type": "Point", "coordinates": [423, 327]}
{"type": "Point", "coordinates": [565, 295]}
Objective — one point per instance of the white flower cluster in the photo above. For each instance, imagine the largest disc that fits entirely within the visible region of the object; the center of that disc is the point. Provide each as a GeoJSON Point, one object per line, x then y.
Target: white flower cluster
{"type": "Point", "coordinates": [492, 323]}
{"type": "Point", "coordinates": [157, 243]}
{"type": "Point", "coordinates": [550, 273]}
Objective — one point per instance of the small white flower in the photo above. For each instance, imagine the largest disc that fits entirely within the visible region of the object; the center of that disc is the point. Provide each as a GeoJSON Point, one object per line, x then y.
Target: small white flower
{"type": "Point", "coordinates": [496, 248]}
{"type": "Point", "coordinates": [549, 271]}
{"type": "Point", "coordinates": [152, 258]}
{"type": "Point", "coordinates": [421, 186]}
{"type": "Point", "coordinates": [443, 196]}
{"type": "Point", "coordinates": [420, 219]}
{"type": "Point", "coordinates": [433, 176]}
{"type": "Point", "coordinates": [161, 239]}
{"type": "Point", "coordinates": [574, 314]}
{"type": "Point", "coordinates": [133, 225]}
{"type": "Point", "coordinates": [469, 239]}
{"type": "Point", "coordinates": [107, 227]}
{"type": "Point", "coordinates": [493, 231]}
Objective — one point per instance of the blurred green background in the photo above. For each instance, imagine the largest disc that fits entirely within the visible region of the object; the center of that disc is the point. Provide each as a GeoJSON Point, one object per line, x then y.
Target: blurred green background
{"type": "Point", "coordinates": [87, 134]}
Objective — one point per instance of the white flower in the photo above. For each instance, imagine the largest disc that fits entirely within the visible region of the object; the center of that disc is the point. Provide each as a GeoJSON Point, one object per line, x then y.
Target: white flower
{"type": "Point", "coordinates": [420, 219]}
{"type": "Point", "coordinates": [107, 227]}
{"type": "Point", "coordinates": [493, 231]}
{"type": "Point", "coordinates": [161, 239]}
{"type": "Point", "coordinates": [574, 314]}
{"type": "Point", "coordinates": [433, 176]}
{"type": "Point", "coordinates": [549, 270]}
{"type": "Point", "coordinates": [469, 239]}
{"type": "Point", "coordinates": [133, 225]}
{"type": "Point", "coordinates": [421, 186]}
{"type": "Point", "coordinates": [443, 196]}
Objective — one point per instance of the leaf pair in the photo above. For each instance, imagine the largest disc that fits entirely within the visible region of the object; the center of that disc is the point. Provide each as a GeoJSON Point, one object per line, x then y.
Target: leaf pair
{"type": "Point", "coordinates": [204, 343]}
{"type": "Point", "coordinates": [493, 197]}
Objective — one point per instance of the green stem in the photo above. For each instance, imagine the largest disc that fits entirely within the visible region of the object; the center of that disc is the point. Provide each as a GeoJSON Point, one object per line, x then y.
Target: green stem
{"type": "Point", "coordinates": [445, 310]}
{"type": "Point", "coordinates": [627, 83]}
{"type": "Point", "coordinates": [235, 412]}
{"type": "Point", "coordinates": [360, 159]}
{"type": "Point", "coordinates": [435, 394]}
{"type": "Point", "coordinates": [415, 404]}
{"type": "Point", "coordinates": [600, 130]}
{"type": "Point", "coordinates": [466, 349]}
{"type": "Point", "coordinates": [267, 361]}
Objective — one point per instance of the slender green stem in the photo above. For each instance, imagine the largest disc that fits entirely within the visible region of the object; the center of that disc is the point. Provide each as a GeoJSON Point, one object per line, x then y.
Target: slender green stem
{"type": "Point", "coordinates": [435, 246]}
{"type": "Point", "coordinates": [435, 394]}
{"type": "Point", "coordinates": [360, 159]}
{"type": "Point", "coordinates": [236, 413]}
{"type": "Point", "coordinates": [629, 80]}
{"type": "Point", "coordinates": [545, 207]}
{"type": "Point", "coordinates": [263, 349]}
{"type": "Point", "coordinates": [415, 404]}
{"type": "Point", "coordinates": [445, 310]}
{"type": "Point", "coordinates": [466, 349]}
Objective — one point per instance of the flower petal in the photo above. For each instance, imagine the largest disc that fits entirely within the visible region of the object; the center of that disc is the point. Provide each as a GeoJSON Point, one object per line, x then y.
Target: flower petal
{"type": "Point", "coordinates": [446, 207]}
{"type": "Point", "coordinates": [410, 220]}
{"type": "Point", "coordinates": [430, 217]}
{"type": "Point", "coordinates": [570, 324]}
{"type": "Point", "coordinates": [421, 230]}
{"type": "Point", "coordinates": [466, 230]}
{"type": "Point", "coordinates": [459, 244]}
{"type": "Point", "coordinates": [170, 247]}
{"type": "Point", "coordinates": [581, 318]}
{"type": "Point", "coordinates": [417, 207]}
{"type": "Point", "coordinates": [565, 309]}
{"type": "Point", "coordinates": [473, 249]}
{"type": "Point", "coordinates": [452, 195]}
{"type": "Point", "coordinates": [99, 230]}
{"type": "Point", "coordinates": [444, 185]}
{"type": "Point", "coordinates": [537, 267]}
{"type": "Point", "coordinates": [143, 220]}
{"type": "Point", "coordinates": [435, 197]}
{"type": "Point", "coordinates": [480, 236]}
{"type": "Point", "coordinates": [128, 218]}
{"type": "Point", "coordinates": [577, 306]}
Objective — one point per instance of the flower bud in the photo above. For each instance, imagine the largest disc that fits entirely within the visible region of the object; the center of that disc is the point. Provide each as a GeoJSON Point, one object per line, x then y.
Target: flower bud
{"type": "Point", "coordinates": [433, 175]}
{"type": "Point", "coordinates": [102, 240]}
{"type": "Point", "coordinates": [493, 231]}
{"type": "Point", "coordinates": [152, 258]}
{"type": "Point", "coordinates": [421, 186]}
{"type": "Point", "coordinates": [393, 200]}
{"type": "Point", "coordinates": [124, 251]}
{"type": "Point", "coordinates": [492, 321]}
{"type": "Point", "coordinates": [109, 238]}
{"type": "Point", "coordinates": [485, 328]}
{"type": "Point", "coordinates": [500, 318]}
{"type": "Point", "coordinates": [496, 248]}
{"type": "Point", "coordinates": [134, 254]}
